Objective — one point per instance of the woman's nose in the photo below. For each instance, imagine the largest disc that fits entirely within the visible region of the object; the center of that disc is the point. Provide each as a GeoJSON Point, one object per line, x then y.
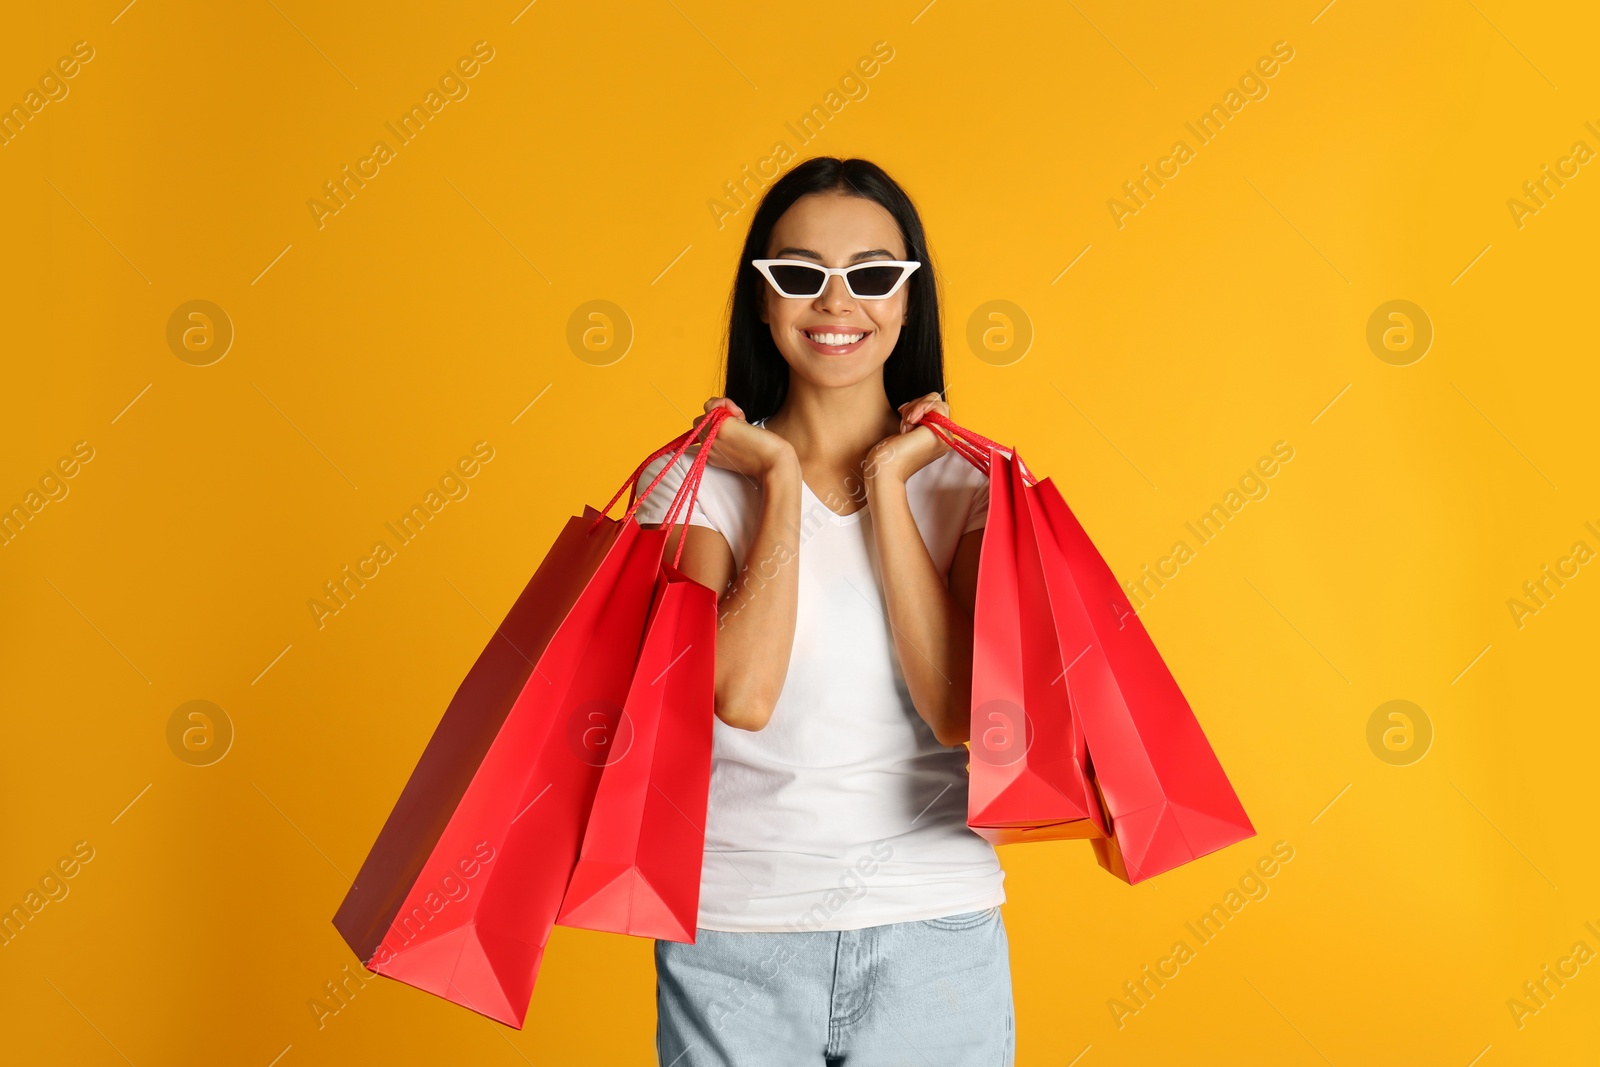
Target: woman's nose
{"type": "Point", "coordinates": [834, 294]}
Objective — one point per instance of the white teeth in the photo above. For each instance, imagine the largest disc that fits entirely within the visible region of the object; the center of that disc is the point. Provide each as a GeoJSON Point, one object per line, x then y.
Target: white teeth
{"type": "Point", "coordinates": [835, 338]}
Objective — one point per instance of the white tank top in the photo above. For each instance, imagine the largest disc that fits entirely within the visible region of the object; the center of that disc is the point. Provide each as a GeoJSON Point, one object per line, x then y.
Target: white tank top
{"type": "Point", "coordinates": [844, 811]}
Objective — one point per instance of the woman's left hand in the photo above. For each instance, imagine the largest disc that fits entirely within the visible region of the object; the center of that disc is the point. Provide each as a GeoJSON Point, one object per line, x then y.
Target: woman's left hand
{"type": "Point", "coordinates": [914, 447]}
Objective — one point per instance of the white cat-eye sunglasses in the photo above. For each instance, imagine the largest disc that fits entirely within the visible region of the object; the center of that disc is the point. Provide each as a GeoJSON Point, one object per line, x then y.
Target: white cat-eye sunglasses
{"type": "Point", "coordinates": [877, 279]}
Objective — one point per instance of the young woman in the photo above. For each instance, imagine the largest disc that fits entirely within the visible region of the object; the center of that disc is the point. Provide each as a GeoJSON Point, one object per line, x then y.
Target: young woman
{"type": "Point", "coordinates": [847, 914]}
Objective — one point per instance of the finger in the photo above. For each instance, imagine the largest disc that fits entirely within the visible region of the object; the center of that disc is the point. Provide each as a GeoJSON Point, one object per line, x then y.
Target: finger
{"type": "Point", "coordinates": [704, 423]}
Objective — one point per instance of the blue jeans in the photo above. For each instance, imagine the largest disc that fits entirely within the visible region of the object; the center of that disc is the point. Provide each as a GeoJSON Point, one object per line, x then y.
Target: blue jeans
{"type": "Point", "coordinates": [934, 991]}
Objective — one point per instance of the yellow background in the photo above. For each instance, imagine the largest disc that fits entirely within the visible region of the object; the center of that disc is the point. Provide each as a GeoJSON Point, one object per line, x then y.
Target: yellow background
{"type": "Point", "coordinates": [430, 312]}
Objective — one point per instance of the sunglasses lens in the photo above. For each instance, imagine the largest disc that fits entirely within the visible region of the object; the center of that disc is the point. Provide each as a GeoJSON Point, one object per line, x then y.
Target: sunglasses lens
{"type": "Point", "coordinates": [874, 281]}
{"type": "Point", "coordinates": [797, 279]}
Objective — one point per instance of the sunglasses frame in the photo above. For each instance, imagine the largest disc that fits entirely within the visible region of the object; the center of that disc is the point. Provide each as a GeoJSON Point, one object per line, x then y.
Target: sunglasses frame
{"type": "Point", "coordinates": [765, 267]}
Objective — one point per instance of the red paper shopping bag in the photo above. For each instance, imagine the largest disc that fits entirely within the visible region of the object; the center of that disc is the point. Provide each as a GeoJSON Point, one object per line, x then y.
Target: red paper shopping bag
{"type": "Point", "coordinates": [459, 893]}
{"type": "Point", "coordinates": [1165, 795]}
{"type": "Point", "coordinates": [1166, 792]}
{"type": "Point", "coordinates": [639, 869]}
{"type": "Point", "coordinates": [1028, 777]}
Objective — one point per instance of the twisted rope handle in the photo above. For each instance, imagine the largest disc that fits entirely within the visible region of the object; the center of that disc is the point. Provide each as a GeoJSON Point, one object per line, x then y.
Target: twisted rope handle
{"type": "Point", "coordinates": [973, 446]}
{"type": "Point", "coordinates": [692, 480]}
{"type": "Point", "coordinates": [677, 446]}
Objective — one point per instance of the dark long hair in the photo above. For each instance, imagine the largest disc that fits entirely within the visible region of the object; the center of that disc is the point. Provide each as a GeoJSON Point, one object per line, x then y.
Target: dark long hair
{"type": "Point", "coordinates": [758, 376]}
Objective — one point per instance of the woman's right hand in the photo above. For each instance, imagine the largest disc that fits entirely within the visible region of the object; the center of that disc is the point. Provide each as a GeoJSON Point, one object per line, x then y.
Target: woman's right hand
{"type": "Point", "coordinates": [753, 451]}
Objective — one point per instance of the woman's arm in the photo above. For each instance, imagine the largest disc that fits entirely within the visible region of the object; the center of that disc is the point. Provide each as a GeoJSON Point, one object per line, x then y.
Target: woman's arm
{"type": "Point", "coordinates": [930, 615]}
{"type": "Point", "coordinates": [756, 608]}
{"type": "Point", "coordinates": [931, 621]}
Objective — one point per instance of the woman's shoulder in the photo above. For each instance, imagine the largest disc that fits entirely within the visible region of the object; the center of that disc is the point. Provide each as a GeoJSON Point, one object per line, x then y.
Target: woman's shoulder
{"type": "Point", "coordinates": [949, 494]}
{"type": "Point", "coordinates": [730, 491]}
{"type": "Point", "coordinates": [954, 469]}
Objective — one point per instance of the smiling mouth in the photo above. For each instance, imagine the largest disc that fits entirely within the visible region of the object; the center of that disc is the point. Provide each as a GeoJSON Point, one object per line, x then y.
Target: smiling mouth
{"type": "Point", "coordinates": [836, 338]}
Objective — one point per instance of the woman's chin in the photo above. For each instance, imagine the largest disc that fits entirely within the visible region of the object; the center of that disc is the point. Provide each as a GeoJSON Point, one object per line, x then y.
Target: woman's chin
{"type": "Point", "coordinates": [832, 371]}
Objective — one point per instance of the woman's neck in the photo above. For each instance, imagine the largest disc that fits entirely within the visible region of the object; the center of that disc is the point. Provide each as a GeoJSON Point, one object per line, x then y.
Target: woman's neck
{"type": "Point", "coordinates": [833, 428]}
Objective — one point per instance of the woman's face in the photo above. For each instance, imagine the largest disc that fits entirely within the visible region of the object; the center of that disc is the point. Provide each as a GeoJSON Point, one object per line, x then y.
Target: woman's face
{"type": "Point", "coordinates": [835, 230]}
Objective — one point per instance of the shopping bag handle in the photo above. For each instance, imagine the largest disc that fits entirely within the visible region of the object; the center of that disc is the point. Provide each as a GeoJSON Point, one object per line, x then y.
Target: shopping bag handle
{"type": "Point", "coordinates": [687, 492]}
{"type": "Point", "coordinates": [676, 446]}
{"type": "Point", "coordinates": [972, 446]}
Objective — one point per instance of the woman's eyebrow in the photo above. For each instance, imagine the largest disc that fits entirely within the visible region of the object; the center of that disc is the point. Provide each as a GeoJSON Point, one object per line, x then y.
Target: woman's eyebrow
{"type": "Point", "coordinates": [869, 254]}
